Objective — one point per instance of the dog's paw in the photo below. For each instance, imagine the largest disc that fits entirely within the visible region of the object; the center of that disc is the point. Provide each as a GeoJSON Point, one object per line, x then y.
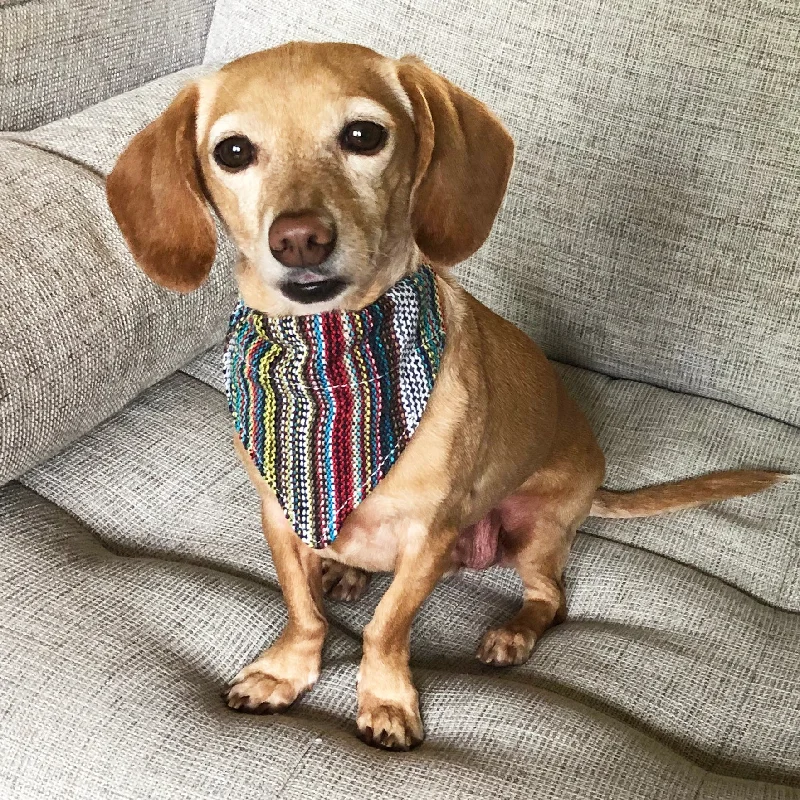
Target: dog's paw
{"type": "Point", "coordinates": [341, 582]}
{"type": "Point", "coordinates": [261, 693]}
{"type": "Point", "coordinates": [388, 725]}
{"type": "Point", "coordinates": [503, 647]}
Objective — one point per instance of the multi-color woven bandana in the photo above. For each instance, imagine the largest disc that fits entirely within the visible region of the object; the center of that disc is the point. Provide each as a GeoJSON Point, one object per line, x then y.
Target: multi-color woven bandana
{"type": "Point", "coordinates": [326, 403]}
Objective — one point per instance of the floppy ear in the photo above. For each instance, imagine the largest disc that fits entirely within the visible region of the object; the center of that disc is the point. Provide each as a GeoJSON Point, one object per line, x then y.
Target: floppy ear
{"type": "Point", "coordinates": [464, 158]}
{"type": "Point", "coordinates": [155, 193]}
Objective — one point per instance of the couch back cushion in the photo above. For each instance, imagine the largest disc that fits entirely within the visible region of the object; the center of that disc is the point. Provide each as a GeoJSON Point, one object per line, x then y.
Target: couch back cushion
{"type": "Point", "coordinates": [650, 228]}
{"type": "Point", "coordinates": [59, 56]}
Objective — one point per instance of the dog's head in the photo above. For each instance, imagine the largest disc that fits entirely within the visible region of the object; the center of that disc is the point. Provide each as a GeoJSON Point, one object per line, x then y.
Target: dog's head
{"type": "Point", "coordinates": [332, 167]}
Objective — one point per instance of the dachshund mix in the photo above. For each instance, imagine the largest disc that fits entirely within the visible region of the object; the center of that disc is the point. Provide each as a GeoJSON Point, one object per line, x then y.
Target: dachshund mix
{"type": "Point", "coordinates": [337, 173]}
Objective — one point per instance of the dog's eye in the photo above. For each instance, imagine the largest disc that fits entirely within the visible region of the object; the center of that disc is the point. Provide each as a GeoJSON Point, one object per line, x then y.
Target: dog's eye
{"type": "Point", "coordinates": [366, 138]}
{"type": "Point", "coordinates": [235, 153]}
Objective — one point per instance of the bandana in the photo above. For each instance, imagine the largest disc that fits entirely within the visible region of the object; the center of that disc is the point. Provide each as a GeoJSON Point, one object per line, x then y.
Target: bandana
{"type": "Point", "coordinates": [326, 403]}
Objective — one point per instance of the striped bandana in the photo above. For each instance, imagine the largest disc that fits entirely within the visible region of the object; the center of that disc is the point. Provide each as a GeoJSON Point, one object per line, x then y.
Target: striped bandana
{"type": "Point", "coordinates": [326, 403]}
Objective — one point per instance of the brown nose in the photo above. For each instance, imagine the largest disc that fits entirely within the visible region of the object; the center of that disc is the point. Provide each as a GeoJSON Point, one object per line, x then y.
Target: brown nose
{"type": "Point", "coordinates": [301, 240]}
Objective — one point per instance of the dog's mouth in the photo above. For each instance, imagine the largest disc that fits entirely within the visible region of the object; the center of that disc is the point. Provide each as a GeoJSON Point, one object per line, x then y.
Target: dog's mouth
{"type": "Point", "coordinates": [308, 287]}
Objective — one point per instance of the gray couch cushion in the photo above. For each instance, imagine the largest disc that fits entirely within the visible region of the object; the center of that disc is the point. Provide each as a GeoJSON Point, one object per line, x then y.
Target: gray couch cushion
{"type": "Point", "coordinates": [676, 667]}
{"type": "Point", "coordinates": [109, 684]}
{"type": "Point", "coordinates": [82, 330]}
{"type": "Point", "coordinates": [59, 56]}
{"type": "Point", "coordinates": [650, 435]}
{"type": "Point", "coordinates": [650, 227]}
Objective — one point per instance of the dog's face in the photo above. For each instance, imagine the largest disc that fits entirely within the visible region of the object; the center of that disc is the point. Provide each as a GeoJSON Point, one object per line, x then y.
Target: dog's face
{"type": "Point", "coordinates": [335, 170]}
{"type": "Point", "coordinates": [307, 153]}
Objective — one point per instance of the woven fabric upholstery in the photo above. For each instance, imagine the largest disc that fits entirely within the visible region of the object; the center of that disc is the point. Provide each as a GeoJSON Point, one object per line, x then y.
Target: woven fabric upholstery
{"type": "Point", "coordinates": [674, 676]}
{"type": "Point", "coordinates": [59, 56]}
{"type": "Point", "coordinates": [82, 330]}
{"type": "Point", "coordinates": [649, 233]}
{"type": "Point", "coordinates": [650, 227]}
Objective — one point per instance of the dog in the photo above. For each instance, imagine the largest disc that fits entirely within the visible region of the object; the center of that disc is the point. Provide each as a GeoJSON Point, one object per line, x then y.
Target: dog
{"type": "Point", "coordinates": [337, 173]}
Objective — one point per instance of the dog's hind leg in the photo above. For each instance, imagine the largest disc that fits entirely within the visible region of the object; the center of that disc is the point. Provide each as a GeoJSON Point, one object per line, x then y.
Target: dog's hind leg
{"type": "Point", "coordinates": [539, 560]}
{"type": "Point", "coordinates": [341, 582]}
{"type": "Point", "coordinates": [538, 527]}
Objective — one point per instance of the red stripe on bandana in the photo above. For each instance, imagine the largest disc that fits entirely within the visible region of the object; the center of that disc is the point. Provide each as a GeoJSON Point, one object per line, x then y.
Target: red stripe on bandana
{"type": "Point", "coordinates": [340, 384]}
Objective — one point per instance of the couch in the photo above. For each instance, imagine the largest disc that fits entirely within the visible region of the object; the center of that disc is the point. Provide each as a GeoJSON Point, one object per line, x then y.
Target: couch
{"type": "Point", "coordinates": [648, 241]}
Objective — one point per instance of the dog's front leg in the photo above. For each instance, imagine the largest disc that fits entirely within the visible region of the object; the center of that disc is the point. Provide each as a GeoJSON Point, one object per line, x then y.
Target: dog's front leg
{"type": "Point", "coordinates": [291, 665]}
{"type": "Point", "coordinates": [388, 707]}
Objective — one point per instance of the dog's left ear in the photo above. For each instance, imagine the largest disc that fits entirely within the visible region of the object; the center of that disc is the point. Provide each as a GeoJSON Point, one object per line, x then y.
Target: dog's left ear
{"type": "Point", "coordinates": [464, 158]}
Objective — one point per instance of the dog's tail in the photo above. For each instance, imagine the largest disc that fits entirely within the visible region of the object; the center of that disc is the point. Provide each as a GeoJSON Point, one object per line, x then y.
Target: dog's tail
{"type": "Point", "coordinates": [663, 497]}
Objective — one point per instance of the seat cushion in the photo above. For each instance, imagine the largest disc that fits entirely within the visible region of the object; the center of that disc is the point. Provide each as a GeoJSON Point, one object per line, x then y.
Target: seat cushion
{"type": "Point", "coordinates": [82, 330]}
{"type": "Point", "coordinates": [113, 663]}
{"type": "Point", "coordinates": [140, 582]}
{"type": "Point", "coordinates": [649, 231]}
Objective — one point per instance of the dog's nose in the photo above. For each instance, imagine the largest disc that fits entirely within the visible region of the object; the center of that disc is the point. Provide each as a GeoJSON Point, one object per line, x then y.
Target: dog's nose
{"type": "Point", "coordinates": [304, 239]}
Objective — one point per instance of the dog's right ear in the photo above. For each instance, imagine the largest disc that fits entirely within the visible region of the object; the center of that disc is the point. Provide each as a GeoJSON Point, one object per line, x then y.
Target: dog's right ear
{"type": "Point", "coordinates": [155, 192]}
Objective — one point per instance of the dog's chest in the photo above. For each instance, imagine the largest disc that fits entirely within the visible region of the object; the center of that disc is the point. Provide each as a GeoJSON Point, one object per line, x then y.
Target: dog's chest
{"type": "Point", "coordinates": [373, 534]}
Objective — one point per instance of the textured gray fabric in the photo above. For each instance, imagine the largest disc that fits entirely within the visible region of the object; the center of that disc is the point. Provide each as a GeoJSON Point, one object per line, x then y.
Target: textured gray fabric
{"type": "Point", "coordinates": [59, 56]}
{"type": "Point", "coordinates": [207, 367]}
{"type": "Point", "coordinates": [650, 227]}
{"type": "Point", "coordinates": [82, 330]}
{"type": "Point", "coordinates": [664, 680]}
{"type": "Point", "coordinates": [94, 138]}
{"type": "Point", "coordinates": [650, 435]}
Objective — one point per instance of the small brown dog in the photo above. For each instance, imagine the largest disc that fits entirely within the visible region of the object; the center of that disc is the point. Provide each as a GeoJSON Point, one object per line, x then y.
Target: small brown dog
{"type": "Point", "coordinates": [371, 166]}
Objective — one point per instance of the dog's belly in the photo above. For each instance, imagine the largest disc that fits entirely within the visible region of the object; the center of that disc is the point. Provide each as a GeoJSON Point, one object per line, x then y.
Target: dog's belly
{"type": "Point", "coordinates": [373, 545]}
{"type": "Point", "coordinates": [371, 537]}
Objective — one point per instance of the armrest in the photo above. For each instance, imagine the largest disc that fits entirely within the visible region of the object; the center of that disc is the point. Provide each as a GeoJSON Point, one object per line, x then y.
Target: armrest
{"type": "Point", "coordinates": [82, 330]}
